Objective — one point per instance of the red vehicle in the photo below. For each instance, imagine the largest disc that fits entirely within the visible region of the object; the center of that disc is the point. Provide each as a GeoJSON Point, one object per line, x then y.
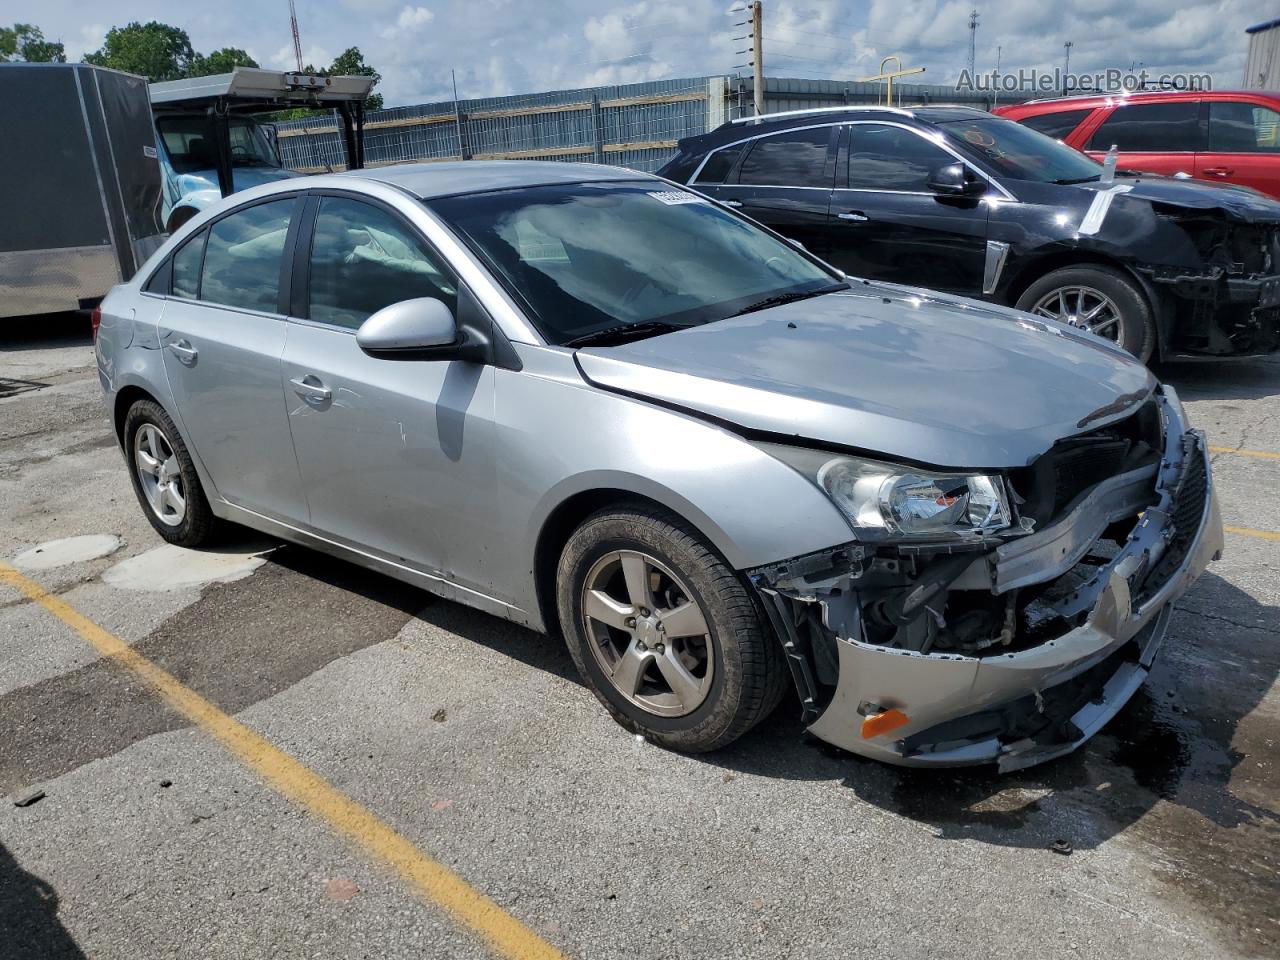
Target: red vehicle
{"type": "Point", "coordinates": [1227, 136]}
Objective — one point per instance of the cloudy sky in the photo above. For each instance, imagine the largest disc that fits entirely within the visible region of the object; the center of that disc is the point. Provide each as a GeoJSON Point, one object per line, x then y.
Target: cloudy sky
{"type": "Point", "coordinates": [518, 46]}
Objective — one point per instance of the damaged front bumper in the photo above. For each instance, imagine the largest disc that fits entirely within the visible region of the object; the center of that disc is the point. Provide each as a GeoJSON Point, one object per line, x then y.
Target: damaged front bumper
{"type": "Point", "coordinates": [1035, 702]}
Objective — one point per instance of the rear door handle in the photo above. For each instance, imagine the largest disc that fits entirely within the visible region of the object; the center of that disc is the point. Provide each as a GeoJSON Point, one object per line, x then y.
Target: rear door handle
{"type": "Point", "coordinates": [1219, 171]}
{"type": "Point", "coordinates": [184, 351]}
{"type": "Point", "coordinates": [732, 203]}
{"type": "Point", "coordinates": [857, 216]}
{"type": "Point", "coordinates": [311, 388]}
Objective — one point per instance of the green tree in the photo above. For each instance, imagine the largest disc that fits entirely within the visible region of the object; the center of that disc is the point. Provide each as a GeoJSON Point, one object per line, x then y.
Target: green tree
{"type": "Point", "coordinates": [350, 63]}
{"type": "Point", "coordinates": [26, 43]}
{"type": "Point", "coordinates": [220, 61]}
{"type": "Point", "coordinates": [153, 50]}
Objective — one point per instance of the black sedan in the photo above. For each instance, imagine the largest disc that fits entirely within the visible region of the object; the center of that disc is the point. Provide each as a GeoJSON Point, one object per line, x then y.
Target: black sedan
{"type": "Point", "coordinates": [960, 201]}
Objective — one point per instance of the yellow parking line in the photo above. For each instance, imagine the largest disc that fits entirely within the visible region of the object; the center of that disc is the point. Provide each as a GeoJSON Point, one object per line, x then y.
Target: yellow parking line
{"type": "Point", "coordinates": [506, 935]}
{"type": "Point", "coordinates": [1249, 532]}
{"type": "Point", "coordinates": [1260, 454]}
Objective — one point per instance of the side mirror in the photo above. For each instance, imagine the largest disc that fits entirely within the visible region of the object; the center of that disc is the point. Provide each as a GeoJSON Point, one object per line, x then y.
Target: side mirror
{"type": "Point", "coordinates": [953, 180]}
{"type": "Point", "coordinates": [410, 325]}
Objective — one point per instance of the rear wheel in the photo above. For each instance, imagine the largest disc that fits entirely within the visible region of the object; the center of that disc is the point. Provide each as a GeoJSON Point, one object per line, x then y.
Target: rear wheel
{"type": "Point", "coordinates": [1098, 299]}
{"type": "Point", "coordinates": [164, 478]}
{"type": "Point", "coordinates": [664, 632]}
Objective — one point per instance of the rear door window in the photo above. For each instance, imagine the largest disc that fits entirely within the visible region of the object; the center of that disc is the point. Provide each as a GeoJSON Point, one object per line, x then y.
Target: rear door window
{"type": "Point", "coordinates": [186, 268]}
{"type": "Point", "coordinates": [243, 256]}
{"type": "Point", "coordinates": [885, 157]}
{"type": "Point", "coordinates": [364, 258]}
{"type": "Point", "coordinates": [793, 158]}
{"type": "Point", "coordinates": [1151, 128]}
{"type": "Point", "coordinates": [719, 164]}
{"type": "Point", "coordinates": [1057, 125]}
{"type": "Point", "coordinates": [1243, 128]}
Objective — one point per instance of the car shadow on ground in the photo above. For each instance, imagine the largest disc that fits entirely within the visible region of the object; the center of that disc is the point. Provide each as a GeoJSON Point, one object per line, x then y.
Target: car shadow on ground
{"type": "Point", "coordinates": [45, 331]}
{"type": "Point", "coordinates": [1177, 740]}
{"type": "Point", "coordinates": [29, 924]}
{"type": "Point", "coordinates": [1223, 379]}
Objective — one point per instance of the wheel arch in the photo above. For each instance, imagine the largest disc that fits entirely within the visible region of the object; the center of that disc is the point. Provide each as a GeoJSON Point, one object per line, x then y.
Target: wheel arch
{"type": "Point", "coordinates": [1044, 265]}
{"type": "Point", "coordinates": [179, 216]}
{"type": "Point", "coordinates": [125, 398]}
{"type": "Point", "coordinates": [567, 516]}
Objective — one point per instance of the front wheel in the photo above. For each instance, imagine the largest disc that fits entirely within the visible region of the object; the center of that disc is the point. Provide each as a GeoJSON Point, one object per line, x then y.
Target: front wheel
{"type": "Point", "coordinates": [1096, 298]}
{"type": "Point", "coordinates": [664, 632]}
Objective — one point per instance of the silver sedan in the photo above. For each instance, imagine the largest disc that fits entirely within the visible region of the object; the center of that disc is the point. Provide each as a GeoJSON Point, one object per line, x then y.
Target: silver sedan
{"type": "Point", "coordinates": [600, 405]}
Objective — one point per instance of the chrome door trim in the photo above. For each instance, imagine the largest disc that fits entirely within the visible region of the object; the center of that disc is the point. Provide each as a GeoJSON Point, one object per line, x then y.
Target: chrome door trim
{"type": "Point", "coordinates": [758, 136]}
{"type": "Point", "coordinates": [1005, 195]}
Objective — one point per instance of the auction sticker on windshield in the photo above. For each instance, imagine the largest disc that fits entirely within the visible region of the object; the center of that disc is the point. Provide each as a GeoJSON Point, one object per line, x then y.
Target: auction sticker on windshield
{"type": "Point", "coordinates": [672, 197]}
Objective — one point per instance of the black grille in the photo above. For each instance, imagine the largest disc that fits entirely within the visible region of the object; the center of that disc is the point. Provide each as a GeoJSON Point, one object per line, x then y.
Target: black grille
{"type": "Point", "coordinates": [1185, 513]}
{"type": "Point", "coordinates": [1080, 466]}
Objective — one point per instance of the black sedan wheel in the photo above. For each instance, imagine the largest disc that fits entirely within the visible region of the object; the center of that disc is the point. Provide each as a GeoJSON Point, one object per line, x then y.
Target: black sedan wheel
{"type": "Point", "coordinates": [1098, 299]}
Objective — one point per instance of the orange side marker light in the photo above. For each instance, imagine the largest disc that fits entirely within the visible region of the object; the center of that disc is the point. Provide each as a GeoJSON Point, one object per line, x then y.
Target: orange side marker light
{"type": "Point", "coordinates": [878, 724]}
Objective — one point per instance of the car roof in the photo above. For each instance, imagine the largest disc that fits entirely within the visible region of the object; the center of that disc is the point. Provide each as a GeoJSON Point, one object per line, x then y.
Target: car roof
{"type": "Point", "coordinates": [745, 128]}
{"type": "Point", "coordinates": [1083, 101]}
{"type": "Point", "coordinates": [429, 180]}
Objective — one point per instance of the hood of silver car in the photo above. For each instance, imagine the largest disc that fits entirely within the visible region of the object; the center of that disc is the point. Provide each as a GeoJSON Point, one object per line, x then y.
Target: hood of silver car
{"type": "Point", "coordinates": [890, 370]}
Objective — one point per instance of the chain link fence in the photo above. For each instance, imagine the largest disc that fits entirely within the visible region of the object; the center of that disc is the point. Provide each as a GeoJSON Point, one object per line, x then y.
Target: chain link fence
{"type": "Point", "coordinates": [632, 125]}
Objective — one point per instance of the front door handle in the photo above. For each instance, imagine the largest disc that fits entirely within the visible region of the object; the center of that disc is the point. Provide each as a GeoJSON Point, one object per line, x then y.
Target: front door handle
{"type": "Point", "coordinates": [732, 203]}
{"type": "Point", "coordinates": [310, 388]}
{"type": "Point", "coordinates": [857, 216]}
{"type": "Point", "coordinates": [1218, 171]}
{"type": "Point", "coordinates": [184, 351]}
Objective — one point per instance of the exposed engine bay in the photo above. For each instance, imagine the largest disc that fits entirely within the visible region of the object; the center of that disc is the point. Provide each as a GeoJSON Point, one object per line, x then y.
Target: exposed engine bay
{"type": "Point", "coordinates": [1230, 304]}
{"type": "Point", "coordinates": [1116, 510]}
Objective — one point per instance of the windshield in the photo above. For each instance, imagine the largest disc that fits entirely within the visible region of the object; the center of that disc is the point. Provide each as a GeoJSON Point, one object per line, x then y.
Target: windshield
{"type": "Point", "coordinates": [589, 257]}
{"type": "Point", "coordinates": [1012, 150]}
{"type": "Point", "coordinates": [190, 143]}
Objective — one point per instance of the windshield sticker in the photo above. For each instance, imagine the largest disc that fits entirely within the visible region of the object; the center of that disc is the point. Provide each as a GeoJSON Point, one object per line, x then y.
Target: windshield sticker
{"type": "Point", "coordinates": [673, 197]}
{"type": "Point", "coordinates": [980, 138]}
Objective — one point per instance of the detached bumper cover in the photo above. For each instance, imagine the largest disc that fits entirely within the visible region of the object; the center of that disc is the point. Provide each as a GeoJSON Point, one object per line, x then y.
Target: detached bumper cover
{"type": "Point", "coordinates": [1022, 708]}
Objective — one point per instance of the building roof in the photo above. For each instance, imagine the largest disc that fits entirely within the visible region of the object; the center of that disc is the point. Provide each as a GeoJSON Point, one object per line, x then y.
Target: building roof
{"type": "Point", "coordinates": [428, 180]}
{"type": "Point", "coordinates": [1259, 27]}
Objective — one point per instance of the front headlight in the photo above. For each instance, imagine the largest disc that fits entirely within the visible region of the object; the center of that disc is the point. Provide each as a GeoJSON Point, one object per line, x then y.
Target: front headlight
{"type": "Point", "coordinates": [887, 501]}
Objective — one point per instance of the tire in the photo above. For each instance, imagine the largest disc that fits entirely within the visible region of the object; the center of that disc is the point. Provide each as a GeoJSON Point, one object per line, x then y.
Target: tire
{"type": "Point", "coordinates": [1134, 329]}
{"type": "Point", "coordinates": [147, 428]}
{"type": "Point", "coordinates": [738, 668]}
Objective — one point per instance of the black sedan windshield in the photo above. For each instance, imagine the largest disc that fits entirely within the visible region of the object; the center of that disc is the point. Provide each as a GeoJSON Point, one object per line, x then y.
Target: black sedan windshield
{"type": "Point", "coordinates": [1015, 151]}
{"type": "Point", "coordinates": [592, 257]}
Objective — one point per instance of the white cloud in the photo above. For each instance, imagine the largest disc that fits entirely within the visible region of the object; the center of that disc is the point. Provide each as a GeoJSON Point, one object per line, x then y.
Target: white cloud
{"type": "Point", "coordinates": [514, 46]}
{"type": "Point", "coordinates": [410, 20]}
{"type": "Point", "coordinates": [89, 40]}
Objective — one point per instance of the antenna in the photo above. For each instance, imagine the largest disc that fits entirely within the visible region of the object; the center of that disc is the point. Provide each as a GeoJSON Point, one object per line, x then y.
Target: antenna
{"type": "Point", "coordinates": [297, 42]}
{"type": "Point", "coordinates": [973, 35]}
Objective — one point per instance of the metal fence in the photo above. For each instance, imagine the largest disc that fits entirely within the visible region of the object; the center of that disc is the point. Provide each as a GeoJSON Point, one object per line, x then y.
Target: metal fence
{"type": "Point", "coordinates": [632, 125]}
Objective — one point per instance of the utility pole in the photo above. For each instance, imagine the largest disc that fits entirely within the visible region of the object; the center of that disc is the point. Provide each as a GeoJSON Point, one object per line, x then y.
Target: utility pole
{"type": "Point", "coordinates": [756, 63]}
{"type": "Point", "coordinates": [1066, 64]}
{"type": "Point", "coordinates": [973, 36]}
{"type": "Point", "coordinates": [757, 55]}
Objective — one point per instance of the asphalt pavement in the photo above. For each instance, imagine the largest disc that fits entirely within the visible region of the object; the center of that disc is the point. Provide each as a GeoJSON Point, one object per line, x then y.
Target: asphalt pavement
{"type": "Point", "coordinates": [259, 751]}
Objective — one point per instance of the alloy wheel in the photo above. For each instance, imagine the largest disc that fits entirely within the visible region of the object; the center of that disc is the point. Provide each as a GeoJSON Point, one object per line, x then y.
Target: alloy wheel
{"type": "Point", "coordinates": [160, 474]}
{"type": "Point", "coordinates": [1080, 306]}
{"type": "Point", "coordinates": [647, 633]}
